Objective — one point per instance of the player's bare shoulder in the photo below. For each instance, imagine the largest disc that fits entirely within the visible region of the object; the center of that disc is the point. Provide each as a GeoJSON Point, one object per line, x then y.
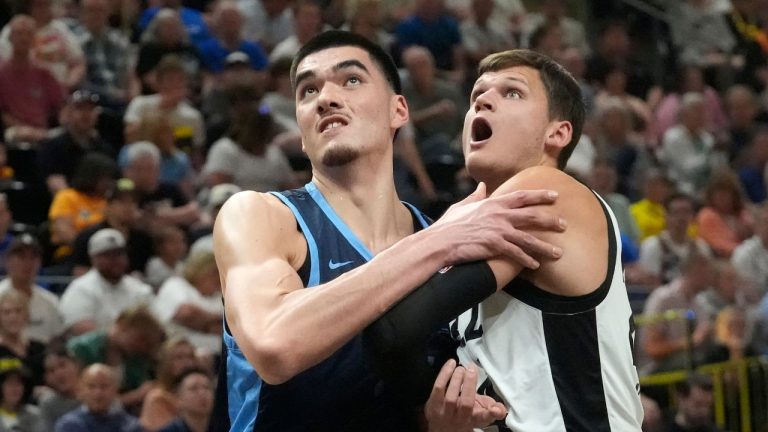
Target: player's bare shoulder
{"type": "Point", "coordinates": [251, 225]}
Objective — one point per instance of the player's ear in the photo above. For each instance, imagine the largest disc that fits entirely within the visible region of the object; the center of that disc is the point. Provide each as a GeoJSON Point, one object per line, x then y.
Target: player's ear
{"type": "Point", "coordinates": [398, 112]}
{"type": "Point", "coordinates": [558, 136]}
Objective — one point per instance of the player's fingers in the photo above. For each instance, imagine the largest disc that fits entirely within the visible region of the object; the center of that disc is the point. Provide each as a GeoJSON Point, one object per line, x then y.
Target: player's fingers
{"type": "Point", "coordinates": [510, 250]}
{"type": "Point", "coordinates": [537, 218]}
{"type": "Point", "coordinates": [467, 398]}
{"type": "Point", "coordinates": [533, 246]}
{"type": "Point", "coordinates": [454, 388]}
{"type": "Point", "coordinates": [441, 382]}
{"type": "Point", "coordinates": [524, 198]}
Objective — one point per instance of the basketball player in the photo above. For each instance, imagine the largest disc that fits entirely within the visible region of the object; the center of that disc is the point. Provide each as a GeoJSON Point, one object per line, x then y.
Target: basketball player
{"type": "Point", "coordinates": [293, 355]}
{"type": "Point", "coordinates": [554, 344]}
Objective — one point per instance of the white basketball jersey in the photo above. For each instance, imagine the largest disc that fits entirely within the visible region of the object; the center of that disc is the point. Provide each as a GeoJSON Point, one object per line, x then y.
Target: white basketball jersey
{"type": "Point", "coordinates": [558, 363]}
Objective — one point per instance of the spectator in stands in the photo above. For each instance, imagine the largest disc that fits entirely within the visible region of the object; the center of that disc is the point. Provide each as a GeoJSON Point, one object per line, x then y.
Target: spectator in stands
{"type": "Point", "coordinates": [436, 105]}
{"type": "Point", "coordinates": [30, 97]}
{"type": "Point", "coordinates": [688, 149]}
{"type": "Point", "coordinates": [482, 35]}
{"type": "Point", "coordinates": [170, 101]}
{"type": "Point", "coordinates": [694, 406]}
{"type": "Point", "coordinates": [14, 318]}
{"type": "Point", "coordinates": [649, 211]}
{"type": "Point", "coordinates": [122, 213]}
{"type": "Point", "coordinates": [24, 258]}
{"type": "Point", "coordinates": [752, 165]}
{"type": "Point", "coordinates": [728, 289]}
{"type": "Point", "coordinates": [94, 300]}
{"type": "Point", "coordinates": [612, 87]}
{"type": "Point", "coordinates": [82, 204]}
{"type": "Point", "coordinates": [99, 412]}
{"type": "Point", "coordinates": [279, 97]}
{"type": "Point", "coordinates": [307, 22]}
{"type": "Point", "coordinates": [249, 157]}
{"type": "Point", "coordinates": [191, 305]}
{"type": "Point", "coordinates": [603, 180]}
{"type": "Point", "coordinates": [61, 374]}
{"type": "Point", "coordinates": [194, 392]}
{"type": "Point", "coordinates": [228, 26]}
{"type": "Point", "coordinates": [751, 48]}
{"type": "Point", "coordinates": [553, 12]}
{"type": "Point", "coordinates": [731, 336]}
{"type": "Point", "coordinates": [724, 222]}
{"type": "Point", "coordinates": [547, 39]}
{"type": "Point", "coordinates": [59, 155]}
{"type": "Point", "coordinates": [130, 344]}
{"type": "Point", "coordinates": [165, 36]}
{"type": "Point", "coordinates": [701, 36]}
{"type": "Point", "coordinates": [366, 18]}
{"type": "Point", "coordinates": [743, 115]}
{"type": "Point", "coordinates": [217, 196]}
{"type": "Point", "coordinates": [193, 22]}
{"type": "Point", "coordinates": [160, 203]}
{"type": "Point", "coordinates": [55, 47]}
{"type": "Point", "coordinates": [15, 413]}
{"type": "Point", "coordinates": [666, 340]}
{"type": "Point", "coordinates": [750, 258]}
{"type": "Point", "coordinates": [663, 254]}
{"type": "Point", "coordinates": [161, 404]}
{"type": "Point", "coordinates": [690, 78]}
{"type": "Point", "coordinates": [6, 236]}
{"type": "Point", "coordinates": [432, 28]}
{"type": "Point", "coordinates": [170, 249]}
{"type": "Point", "coordinates": [267, 21]}
{"type": "Point", "coordinates": [107, 65]}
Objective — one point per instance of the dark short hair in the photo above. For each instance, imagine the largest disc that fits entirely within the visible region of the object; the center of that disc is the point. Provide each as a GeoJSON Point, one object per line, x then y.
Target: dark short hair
{"type": "Point", "coordinates": [340, 38]}
{"type": "Point", "coordinates": [564, 98]}
{"type": "Point", "coordinates": [194, 370]}
{"type": "Point", "coordinates": [678, 196]}
{"type": "Point", "coordinates": [92, 168]}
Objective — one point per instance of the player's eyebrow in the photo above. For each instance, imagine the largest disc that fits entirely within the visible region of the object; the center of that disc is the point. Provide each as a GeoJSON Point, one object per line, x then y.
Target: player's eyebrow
{"type": "Point", "coordinates": [346, 64]}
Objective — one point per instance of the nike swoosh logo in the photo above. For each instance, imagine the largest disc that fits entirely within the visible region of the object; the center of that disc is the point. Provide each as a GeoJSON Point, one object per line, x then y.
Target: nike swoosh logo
{"type": "Point", "coordinates": [333, 266]}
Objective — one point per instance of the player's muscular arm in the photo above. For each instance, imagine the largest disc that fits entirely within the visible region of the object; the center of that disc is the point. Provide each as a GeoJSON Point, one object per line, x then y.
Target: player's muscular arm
{"type": "Point", "coordinates": [283, 329]}
{"type": "Point", "coordinates": [578, 271]}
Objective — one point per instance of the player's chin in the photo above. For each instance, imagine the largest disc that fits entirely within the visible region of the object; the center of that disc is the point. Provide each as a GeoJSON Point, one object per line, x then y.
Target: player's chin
{"type": "Point", "coordinates": [340, 155]}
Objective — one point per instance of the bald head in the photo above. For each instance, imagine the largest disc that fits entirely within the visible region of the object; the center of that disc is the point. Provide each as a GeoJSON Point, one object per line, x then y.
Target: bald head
{"type": "Point", "coordinates": [99, 385]}
{"type": "Point", "coordinates": [420, 64]}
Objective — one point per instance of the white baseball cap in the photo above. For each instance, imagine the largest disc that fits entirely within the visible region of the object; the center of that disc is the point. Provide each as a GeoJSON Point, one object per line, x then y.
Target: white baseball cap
{"type": "Point", "coordinates": [105, 240]}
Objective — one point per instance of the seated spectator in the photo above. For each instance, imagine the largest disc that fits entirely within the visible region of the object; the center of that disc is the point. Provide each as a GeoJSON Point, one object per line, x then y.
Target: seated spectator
{"type": "Point", "coordinates": [94, 300]}
{"type": "Point", "coordinates": [170, 249]}
{"type": "Point", "coordinates": [307, 22]}
{"type": "Point", "coordinates": [194, 392]}
{"type": "Point", "coordinates": [62, 372]}
{"type": "Point", "coordinates": [14, 317]}
{"type": "Point", "coordinates": [249, 156]}
{"type": "Point", "coordinates": [192, 20]}
{"type": "Point", "coordinates": [649, 211]}
{"type": "Point", "coordinates": [59, 155]}
{"type": "Point", "coordinates": [228, 25]}
{"type": "Point", "coordinates": [727, 290]}
{"type": "Point", "coordinates": [161, 404]}
{"type": "Point", "coordinates": [267, 22]}
{"type": "Point", "coordinates": [55, 46]}
{"type": "Point", "coordinates": [24, 258]}
{"type": "Point", "coordinates": [191, 305]}
{"type": "Point", "coordinates": [663, 254]}
{"type": "Point", "coordinates": [731, 333]}
{"type": "Point", "coordinates": [6, 236]}
{"type": "Point", "coordinates": [15, 413]}
{"type": "Point", "coordinates": [612, 87]}
{"type": "Point", "coordinates": [433, 28]}
{"type": "Point", "coordinates": [752, 165]}
{"type": "Point", "coordinates": [436, 105]}
{"type": "Point", "coordinates": [107, 67]}
{"type": "Point", "coordinates": [129, 345]}
{"type": "Point", "coordinates": [30, 97]}
{"type": "Point", "coordinates": [160, 203]}
{"type": "Point", "coordinates": [547, 39]}
{"type": "Point", "coordinates": [553, 12]}
{"type": "Point", "coordinates": [99, 412]}
{"type": "Point", "coordinates": [604, 181]}
{"type": "Point", "coordinates": [366, 18]}
{"type": "Point", "coordinates": [666, 342]}
{"type": "Point", "coordinates": [165, 36]}
{"type": "Point", "coordinates": [694, 406]}
{"type": "Point", "coordinates": [482, 35]}
{"type": "Point", "coordinates": [203, 237]}
{"type": "Point", "coordinates": [122, 213]}
{"type": "Point", "coordinates": [750, 258]}
{"type": "Point", "coordinates": [744, 118]}
{"type": "Point", "coordinates": [82, 204]}
{"type": "Point", "coordinates": [688, 149]}
{"type": "Point", "coordinates": [724, 222]}
{"type": "Point", "coordinates": [279, 97]}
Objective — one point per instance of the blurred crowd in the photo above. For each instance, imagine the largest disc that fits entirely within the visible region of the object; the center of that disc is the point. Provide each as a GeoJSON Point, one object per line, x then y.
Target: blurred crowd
{"type": "Point", "coordinates": [127, 124]}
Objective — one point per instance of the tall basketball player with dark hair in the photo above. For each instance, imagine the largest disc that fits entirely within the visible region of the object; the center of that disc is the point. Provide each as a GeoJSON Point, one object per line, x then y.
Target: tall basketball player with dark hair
{"type": "Point", "coordinates": [305, 271]}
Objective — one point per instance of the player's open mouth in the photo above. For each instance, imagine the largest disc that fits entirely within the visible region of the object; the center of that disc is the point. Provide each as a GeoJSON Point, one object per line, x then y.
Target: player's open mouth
{"type": "Point", "coordinates": [331, 122]}
{"type": "Point", "coordinates": [481, 130]}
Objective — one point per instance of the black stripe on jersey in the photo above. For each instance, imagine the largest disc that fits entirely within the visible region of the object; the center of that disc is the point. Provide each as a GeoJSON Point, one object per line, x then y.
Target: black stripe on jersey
{"type": "Point", "coordinates": [574, 358]}
{"type": "Point", "coordinates": [545, 301]}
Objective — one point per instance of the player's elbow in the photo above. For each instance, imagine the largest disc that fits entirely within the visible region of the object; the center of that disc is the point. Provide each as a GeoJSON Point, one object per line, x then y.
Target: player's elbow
{"type": "Point", "coordinates": [275, 360]}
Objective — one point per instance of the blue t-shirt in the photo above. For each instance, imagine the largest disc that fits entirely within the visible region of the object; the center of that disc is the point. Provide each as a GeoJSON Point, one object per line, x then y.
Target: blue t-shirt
{"type": "Point", "coordinates": [439, 37]}
{"type": "Point", "coordinates": [193, 21]}
{"type": "Point", "coordinates": [214, 54]}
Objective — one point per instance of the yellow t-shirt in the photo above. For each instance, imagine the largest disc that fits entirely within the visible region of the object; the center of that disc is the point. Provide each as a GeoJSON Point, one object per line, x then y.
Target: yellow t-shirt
{"type": "Point", "coordinates": [649, 216]}
{"type": "Point", "coordinates": [83, 210]}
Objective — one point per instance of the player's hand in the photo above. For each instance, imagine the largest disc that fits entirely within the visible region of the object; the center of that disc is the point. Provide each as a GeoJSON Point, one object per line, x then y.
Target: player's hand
{"type": "Point", "coordinates": [454, 405]}
{"type": "Point", "coordinates": [483, 227]}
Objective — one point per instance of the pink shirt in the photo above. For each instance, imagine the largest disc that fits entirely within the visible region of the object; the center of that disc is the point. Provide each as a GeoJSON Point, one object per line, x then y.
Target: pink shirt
{"type": "Point", "coordinates": [30, 94]}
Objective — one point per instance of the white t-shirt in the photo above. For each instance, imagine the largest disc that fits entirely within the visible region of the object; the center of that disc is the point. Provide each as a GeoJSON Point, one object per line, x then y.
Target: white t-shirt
{"type": "Point", "coordinates": [268, 172]}
{"type": "Point", "coordinates": [174, 293]}
{"type": "Point", "coordinates": [45, 321]}
{"type": "Point", "coordinates": [750, 259]}
{"type": "Point", "coordinates": [183, 116]}
{"type": "Point", "coordinates": [91, 297]}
